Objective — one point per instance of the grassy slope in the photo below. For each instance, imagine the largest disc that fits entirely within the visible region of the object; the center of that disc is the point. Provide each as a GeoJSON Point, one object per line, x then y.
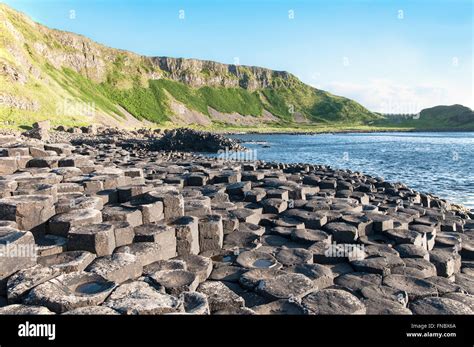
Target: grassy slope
{"type": "Point", "coordinates": [454, 117]}
{"type": "Point", "coordinates": [125, 85]}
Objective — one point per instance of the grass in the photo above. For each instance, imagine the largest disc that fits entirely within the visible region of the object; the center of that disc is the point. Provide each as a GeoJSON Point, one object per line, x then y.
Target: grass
{"type": "Point", "coordinates": [125, 83]}
{"type": "Point", "coordinates": [143, 103]}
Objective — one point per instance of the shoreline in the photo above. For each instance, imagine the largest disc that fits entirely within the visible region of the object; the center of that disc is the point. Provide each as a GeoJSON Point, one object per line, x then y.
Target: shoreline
{"type": "Point", "coordinates": [273, 131]}
{"type": "Point", "coordinates": [355, 131]}
{"type": "Point", "coordinates": [125, 215]}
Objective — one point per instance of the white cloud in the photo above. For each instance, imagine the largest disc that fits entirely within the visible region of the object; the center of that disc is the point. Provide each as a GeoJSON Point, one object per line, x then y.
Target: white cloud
{"type": "Point", "coordinates": [387, 96]}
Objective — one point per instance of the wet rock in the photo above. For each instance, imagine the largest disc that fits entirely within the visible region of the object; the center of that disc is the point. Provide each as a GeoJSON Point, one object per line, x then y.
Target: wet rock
{"type": "Point", "coordinates": [71, 291]}
{"type": "Point", "coordinates": [160, 265]}
{"type": "Point", "coordinates": [333, 301]}
{"type": "Point", "coordinates": [227, 273]}
{"type": "Point", "coordinates": [50, 244]}
{"type": "Point", "coordinates": [241, 240]}
{"type": "Point", "coordinates": [24, 280]}
{"type": "Point", "coordinates": [201, 266]}
{"type": "Point", "coordinates": [175, 281]}
{"type": "Point", "coordinates": [195, 303]}
{"type": "Point", "coordinates": [257, 260]}
{"type": "Point", "coordinates": [309, 236]}
{"type": "Point", "coordinates": [252, 278]}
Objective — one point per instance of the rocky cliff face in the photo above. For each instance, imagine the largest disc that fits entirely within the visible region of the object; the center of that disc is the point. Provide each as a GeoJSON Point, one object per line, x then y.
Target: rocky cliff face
{"type": "Point", "coordinates": [42, 67]}
{"type": "Point", "coordinates": [91, 59]}
{"type": "Point", "coordinates": [198, 73]}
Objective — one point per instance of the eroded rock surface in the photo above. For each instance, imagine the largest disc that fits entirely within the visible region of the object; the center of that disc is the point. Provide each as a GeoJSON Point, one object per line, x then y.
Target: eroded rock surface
{"type": "Point", "coordinates": [103, 222]}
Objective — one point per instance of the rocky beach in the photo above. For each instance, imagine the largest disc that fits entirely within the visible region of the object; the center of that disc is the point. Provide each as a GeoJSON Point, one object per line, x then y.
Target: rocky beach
{"type": "Point", "coordinates": [107, 221]}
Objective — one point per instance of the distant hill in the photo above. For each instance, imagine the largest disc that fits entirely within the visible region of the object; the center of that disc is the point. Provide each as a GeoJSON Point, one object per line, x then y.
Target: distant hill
{"type": "Point", "coordinates": [454, 117]}
{"type": "Point", "coordinates": [70, 79]}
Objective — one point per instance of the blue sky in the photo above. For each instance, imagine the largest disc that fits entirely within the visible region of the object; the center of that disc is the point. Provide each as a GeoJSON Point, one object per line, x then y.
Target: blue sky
{"type": "Point", "coordinates": [392, 56]}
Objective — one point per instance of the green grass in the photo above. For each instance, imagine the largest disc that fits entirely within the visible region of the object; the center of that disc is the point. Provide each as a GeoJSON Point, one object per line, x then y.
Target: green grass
{"type": "Point", "coordinates": [454, 117]}
{"type": "Point", "coordinates": [183, 93]}
{"type": "Point", "coordinates": [229, 100]}
{"type": "Point", "coordinates": [143, 103]}
{"type": "Point", "coordinates": [125, 83]}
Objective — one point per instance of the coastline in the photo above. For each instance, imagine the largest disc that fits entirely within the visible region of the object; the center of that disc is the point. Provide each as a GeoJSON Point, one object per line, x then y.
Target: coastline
{"type": "Point", "coordinates": [220, 219]}
{"type": "Point", "coordinates": [191, 224]}
{"type": "Point", "coordinates": [338, 131]}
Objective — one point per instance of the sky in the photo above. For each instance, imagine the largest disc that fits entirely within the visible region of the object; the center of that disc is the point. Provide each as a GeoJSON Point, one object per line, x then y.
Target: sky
{"type": "Point", "coordinates": [391, 56]}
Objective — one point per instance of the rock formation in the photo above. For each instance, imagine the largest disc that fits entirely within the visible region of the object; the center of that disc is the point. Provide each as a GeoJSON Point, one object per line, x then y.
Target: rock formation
{"type": "Point", "coordinates": [119, 227]}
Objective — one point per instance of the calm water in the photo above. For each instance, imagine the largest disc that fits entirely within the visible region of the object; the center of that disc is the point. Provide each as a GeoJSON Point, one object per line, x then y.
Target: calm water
{"type": "Point", "coordinates": [438, 163]}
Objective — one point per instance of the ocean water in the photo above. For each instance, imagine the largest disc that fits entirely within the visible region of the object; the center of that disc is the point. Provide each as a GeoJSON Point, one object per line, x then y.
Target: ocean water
{"type": "Point", "coordinates": [437, 163]}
